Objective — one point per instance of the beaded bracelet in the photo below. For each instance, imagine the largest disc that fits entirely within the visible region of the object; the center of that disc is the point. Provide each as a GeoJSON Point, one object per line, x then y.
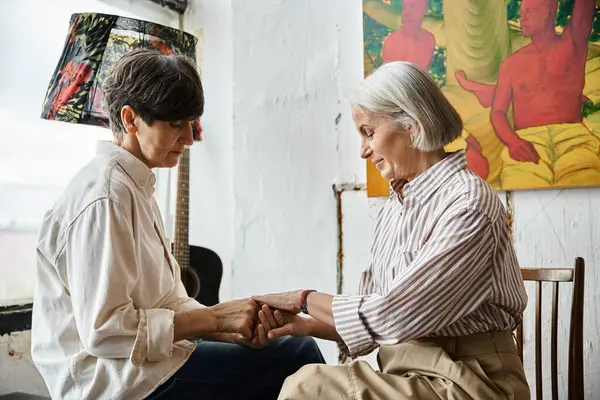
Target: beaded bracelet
{"type": "Point", "coordinates": [303, 300]}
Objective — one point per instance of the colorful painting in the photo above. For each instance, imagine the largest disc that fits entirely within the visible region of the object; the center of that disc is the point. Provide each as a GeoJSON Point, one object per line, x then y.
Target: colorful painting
{"type": "Point", "coordinates": [523, 74]}
{"type": "Point", "coordinates": [94, 44]}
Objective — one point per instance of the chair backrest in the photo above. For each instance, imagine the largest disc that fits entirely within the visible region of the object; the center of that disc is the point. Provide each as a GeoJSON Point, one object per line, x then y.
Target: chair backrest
{"type": "Point", "coordinates": [575, 374]}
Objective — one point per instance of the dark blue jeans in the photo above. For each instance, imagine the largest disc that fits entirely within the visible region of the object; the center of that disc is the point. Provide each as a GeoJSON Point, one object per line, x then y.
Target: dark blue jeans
{"type": "Point", "coordinates": [225, 371]}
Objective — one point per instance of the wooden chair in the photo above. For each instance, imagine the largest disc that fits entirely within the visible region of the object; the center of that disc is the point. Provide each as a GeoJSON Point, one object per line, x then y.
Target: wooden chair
{"type": "Point", "coordinates": [575, 373]}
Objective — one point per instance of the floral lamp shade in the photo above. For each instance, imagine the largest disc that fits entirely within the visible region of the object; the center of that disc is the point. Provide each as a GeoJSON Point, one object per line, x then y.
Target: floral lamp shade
{"type": "Point", "coordinates": [93, 45]}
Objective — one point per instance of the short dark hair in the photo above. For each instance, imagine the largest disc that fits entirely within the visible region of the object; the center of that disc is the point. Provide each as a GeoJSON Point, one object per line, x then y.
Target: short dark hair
{"type": "Point", "coordinates": [158, 87]}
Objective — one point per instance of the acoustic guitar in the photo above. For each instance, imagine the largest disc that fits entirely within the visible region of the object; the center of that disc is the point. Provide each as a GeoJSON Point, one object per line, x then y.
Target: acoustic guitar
{"type": "Point", "coordinates": [201, 268]}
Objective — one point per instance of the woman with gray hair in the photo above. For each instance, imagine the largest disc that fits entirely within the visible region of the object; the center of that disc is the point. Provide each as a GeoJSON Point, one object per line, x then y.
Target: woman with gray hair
{"type": "Point", "coordinates": [443, 292]}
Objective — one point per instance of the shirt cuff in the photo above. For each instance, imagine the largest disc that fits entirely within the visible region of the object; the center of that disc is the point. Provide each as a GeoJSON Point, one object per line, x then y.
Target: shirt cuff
{"type": "Point", "coordinates": [350, 326]}
{"type": "Point", "coordinates": [154, 340]}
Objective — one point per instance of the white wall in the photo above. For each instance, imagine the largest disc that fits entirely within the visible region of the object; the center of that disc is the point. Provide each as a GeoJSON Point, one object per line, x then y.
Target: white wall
{"type": "Point", "coordinates": [17, 371]}
{"type": "Point", "coordinates": [276, 75]}
{"type": "Point", "coordinates": [287, 96]}
{"type": "Point", "coordinates": [551, 228]}
{"type": "Point", "coordinates": [271, 150]}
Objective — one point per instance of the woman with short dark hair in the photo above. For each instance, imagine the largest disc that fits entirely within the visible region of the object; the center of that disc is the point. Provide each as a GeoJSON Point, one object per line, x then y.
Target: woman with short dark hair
{"type": "Point", "coordinates": [111, 315]}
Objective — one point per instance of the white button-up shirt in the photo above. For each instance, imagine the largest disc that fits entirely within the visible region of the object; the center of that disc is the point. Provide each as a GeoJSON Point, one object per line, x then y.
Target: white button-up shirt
{"type": "Point", "coordinates": [107, 286]}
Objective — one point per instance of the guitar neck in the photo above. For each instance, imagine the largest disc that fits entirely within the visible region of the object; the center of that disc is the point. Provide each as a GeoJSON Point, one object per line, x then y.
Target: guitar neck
{"type": "Point", "coordinates": [181, 250]}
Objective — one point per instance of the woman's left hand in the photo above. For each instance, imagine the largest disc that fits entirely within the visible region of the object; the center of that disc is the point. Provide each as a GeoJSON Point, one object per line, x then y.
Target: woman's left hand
{"type": "Point", "coordinates": [288, 301]}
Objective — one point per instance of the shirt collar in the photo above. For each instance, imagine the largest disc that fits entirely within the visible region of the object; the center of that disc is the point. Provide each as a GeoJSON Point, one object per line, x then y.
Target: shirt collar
{"type": "Point", "coordinates": [139, 172]}
{"type": "Point", "coordinates": [426, 184]}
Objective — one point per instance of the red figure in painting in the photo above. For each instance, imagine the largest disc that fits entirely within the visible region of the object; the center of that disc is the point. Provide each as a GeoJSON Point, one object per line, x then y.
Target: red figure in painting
{"type": "Point", "coordinates": [410, 42]}
{"type": "Point", "coordinates": [544, 80]}
{"type": "Point", "coordinates": [475, 158]}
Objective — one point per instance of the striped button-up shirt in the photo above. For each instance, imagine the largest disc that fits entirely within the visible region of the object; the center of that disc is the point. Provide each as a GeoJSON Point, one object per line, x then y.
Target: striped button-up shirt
{"type": "Point", "coordinates": [443, 264]}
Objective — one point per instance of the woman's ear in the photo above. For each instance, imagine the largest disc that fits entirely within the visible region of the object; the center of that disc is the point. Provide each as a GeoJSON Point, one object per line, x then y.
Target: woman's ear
{"type": "Point", "coordinates": [129, 120]}
{"type": "Point", "coordinates": [413, 132]}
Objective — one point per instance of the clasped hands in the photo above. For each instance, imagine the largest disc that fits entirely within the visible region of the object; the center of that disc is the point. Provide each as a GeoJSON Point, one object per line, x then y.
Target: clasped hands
{"type": "Point", "coordinates": [254, 322]}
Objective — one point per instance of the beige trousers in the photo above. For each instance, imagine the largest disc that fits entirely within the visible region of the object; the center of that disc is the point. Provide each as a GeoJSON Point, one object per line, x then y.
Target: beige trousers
{"type": "Point", "coordinates": [482, 366]}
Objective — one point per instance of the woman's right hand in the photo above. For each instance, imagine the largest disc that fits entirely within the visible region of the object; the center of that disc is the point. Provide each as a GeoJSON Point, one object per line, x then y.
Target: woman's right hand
{"type": "Point", "coordinates": [280, 323]}
{"type": "Point", "coordinates": [237, 316]}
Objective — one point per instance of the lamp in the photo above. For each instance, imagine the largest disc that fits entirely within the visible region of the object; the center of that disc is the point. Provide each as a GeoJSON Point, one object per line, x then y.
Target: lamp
{"type": "Point", "coordinates": [94, 43]}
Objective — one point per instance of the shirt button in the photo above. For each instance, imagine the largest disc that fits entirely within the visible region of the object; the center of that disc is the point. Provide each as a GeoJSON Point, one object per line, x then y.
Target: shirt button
{"type": "Point", "coordinates": [141, 182]}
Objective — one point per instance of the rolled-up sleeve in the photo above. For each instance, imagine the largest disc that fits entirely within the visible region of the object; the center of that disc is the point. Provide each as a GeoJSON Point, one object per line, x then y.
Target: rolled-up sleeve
{"type": "Point", "coordinates": [102, 272]}
{"type": "Point", "coordinates": [448, 279]}
{"type": "Point", "coordinates": [349, 305]}
{"type": "Point", "coordinates": [357, 340]}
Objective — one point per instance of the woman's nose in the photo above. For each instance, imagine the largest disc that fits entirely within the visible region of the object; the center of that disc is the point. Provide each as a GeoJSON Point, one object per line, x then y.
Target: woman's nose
{"type": "Point", "coordinates": [188, 135]}
{"type": "Point", "coordinates": [365, 150]}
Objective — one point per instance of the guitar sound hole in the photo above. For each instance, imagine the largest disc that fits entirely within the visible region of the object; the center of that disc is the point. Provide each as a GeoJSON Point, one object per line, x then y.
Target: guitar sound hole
{"type": "Point", "coordinates": [191, 281]}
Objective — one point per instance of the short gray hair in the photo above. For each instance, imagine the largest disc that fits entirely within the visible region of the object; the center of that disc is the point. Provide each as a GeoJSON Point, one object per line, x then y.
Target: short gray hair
{"type": "Point", "coordinates": [410, 98]}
